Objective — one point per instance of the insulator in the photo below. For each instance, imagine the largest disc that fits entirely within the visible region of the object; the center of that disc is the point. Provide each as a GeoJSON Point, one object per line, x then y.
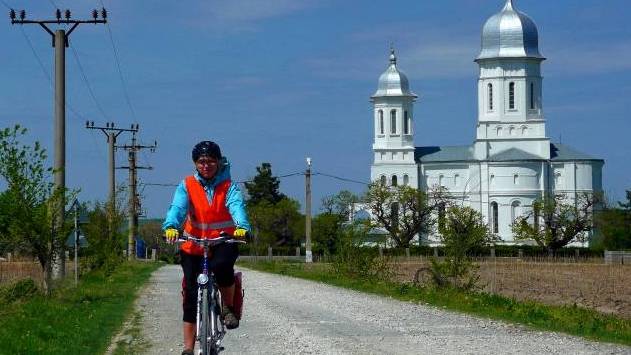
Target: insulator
{"type": "Point", "coordinates": [95, 14]}
{"type": "Point", "coordinates": [67, 14]}
{"type": "Point", "coordinates": [12, 14]}
{"type": "Point", "coordinates": [22, 14]}
{"type": "Point", "coordinates": [58, 14]}
{"type": "Point", "coordinates": [87, 123]}
{"type": "Point", "coordinates": [103, 13]}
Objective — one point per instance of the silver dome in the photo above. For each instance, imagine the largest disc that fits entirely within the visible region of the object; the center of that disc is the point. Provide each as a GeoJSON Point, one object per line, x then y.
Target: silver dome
{"type": "Point", "coordinates": [510, 34]}
{"type": "Point", "coordinates": [393, 82]}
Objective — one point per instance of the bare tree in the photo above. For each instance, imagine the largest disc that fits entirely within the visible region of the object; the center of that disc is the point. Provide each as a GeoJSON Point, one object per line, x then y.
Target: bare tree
{"type": "Point", "coordinates": [404, 211]}
{"type": "Point", "coordinates": [554, 222]}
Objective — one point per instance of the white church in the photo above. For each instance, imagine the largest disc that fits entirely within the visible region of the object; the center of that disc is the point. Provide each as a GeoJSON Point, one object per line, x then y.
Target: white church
{"type": "Point", "coordinates": [511, 161]}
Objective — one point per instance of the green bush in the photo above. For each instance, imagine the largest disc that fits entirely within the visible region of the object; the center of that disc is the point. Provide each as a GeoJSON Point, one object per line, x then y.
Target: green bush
{"type": "Point", "coordinates": [355, 261]}
{"type": "Point", "coordinates": [19, 290]}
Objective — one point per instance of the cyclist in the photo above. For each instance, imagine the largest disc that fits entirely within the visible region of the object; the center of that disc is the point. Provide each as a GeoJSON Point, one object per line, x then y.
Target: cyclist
{"type": "Point", "coordinates": [204, 205]}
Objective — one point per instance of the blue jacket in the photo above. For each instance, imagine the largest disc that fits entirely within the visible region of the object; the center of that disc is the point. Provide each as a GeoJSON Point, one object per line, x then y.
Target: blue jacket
{"type": "Point", "coordinates": [176, 215]}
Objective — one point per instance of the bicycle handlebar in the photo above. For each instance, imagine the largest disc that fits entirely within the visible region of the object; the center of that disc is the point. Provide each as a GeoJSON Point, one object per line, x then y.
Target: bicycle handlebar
{"type": "Point", "coordinates": [224, 238]}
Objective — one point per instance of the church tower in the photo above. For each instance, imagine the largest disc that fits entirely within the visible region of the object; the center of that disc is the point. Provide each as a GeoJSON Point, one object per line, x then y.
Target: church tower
{"type": "Point", "coordinates": [510, 108]}
{"type": "Point", "coordinates": [393, 112]}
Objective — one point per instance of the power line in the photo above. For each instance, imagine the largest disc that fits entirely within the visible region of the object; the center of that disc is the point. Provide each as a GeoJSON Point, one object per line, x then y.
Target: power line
{"type": "Point", "coordinates": [87, 83]}
{"type": "Point", "coordinates": [341, 178]}
{"type": "Point", "coordinates": [120, 71]}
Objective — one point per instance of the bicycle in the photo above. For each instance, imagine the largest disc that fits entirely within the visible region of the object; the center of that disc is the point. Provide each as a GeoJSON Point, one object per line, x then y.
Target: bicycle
{"type": "Point", "coordinates": [210, 324]}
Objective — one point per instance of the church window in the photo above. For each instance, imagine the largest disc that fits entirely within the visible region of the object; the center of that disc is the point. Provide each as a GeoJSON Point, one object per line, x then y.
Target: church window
{"type": "Point", "coordinates": [406, 123]}
{"type": "Point", "coordinates": [516, 179]}
{"type": "Point", "coordinates": [492, 179]}
{"type": "Point", "coordinates": [532, 96]}
{"type": "Point", "coordinates": [393, 121]}
{"type": "Point", "coordinates": [383, 180]}
{"type": "Point", "coordinates": [441, 177]}
{"type": "Point", "coordinates": [381, 122]}
{"type": "Point", "coordinates": [499, 131]}
{"type": "Point", "coordinates": [511, 96]}
{"type": "Point", "coordinates": [494, 217]}
{"type": "Point", "coordinates": [515, 210]}
{"type": "Point", "coordinates": [394, 180]}
{"type": "Point", "coordinates": [456, 179]}
{"type": "Point", "coordinates": [524, 130]}
{"type": "Point", "coordinates": [490, 97]}
{"type": "Point", "coordinates": [511, 131]}
{"type": "Point", "coordinates": [406, 180]}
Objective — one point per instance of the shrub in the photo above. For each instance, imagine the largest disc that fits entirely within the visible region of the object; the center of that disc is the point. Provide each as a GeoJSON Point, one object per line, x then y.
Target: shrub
{"type": "Point", "coordinates": [355, 261]}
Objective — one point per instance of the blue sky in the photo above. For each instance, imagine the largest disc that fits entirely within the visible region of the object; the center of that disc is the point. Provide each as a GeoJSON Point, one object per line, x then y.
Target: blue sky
{"type": "Point", "coordinates": [278, 80]}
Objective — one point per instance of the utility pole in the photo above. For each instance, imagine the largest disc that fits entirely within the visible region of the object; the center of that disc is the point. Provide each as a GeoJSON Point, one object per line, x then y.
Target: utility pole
{"type": "Point", "coordinates": [111, 133]}
{"type": "Point", "coordinates": [75, 206]}
{"type": "Point", "coordinates": [60, 42]}
{"type": "Point", "coordinates": [308, 255]}
{"type": "Point", "coordinates": [134, 201]}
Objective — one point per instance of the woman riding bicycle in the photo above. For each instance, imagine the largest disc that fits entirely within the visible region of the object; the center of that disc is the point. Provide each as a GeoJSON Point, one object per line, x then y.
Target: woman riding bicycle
{"type": "Point", "coordinates": [204, 205]}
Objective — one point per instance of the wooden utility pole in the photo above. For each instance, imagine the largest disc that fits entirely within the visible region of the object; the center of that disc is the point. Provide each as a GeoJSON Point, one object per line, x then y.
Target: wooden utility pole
{"type": "Point", "coordinates": [60, 42]}
{"type": "Point", "coordinates": [308, 255]}
{"type": "Point", "coordinates": [134, 201]}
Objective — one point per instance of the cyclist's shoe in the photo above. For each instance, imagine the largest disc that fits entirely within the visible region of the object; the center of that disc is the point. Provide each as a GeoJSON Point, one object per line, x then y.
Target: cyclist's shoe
{"type": "Point", "coordinates": [229, 319]}
{"type": "Point", "coordinates": [188, 352]}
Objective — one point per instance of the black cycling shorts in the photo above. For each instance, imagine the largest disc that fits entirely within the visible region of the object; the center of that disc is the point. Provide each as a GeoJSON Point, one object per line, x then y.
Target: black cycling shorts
{"type": "Point", "coordinates": [221, 263]}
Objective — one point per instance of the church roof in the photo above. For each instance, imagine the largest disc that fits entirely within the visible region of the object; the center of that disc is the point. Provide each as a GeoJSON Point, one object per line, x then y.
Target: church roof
{"type": "Point", "coordinates": [443, 154]}
{"type": "Point", "coordinates": [513, 154]}
{"type": "Point", "coordinates": [393, 81]}
{"type": "Point", "coordinates": [463, 153]}
{"type": "Point", "coordinates": [560, 152]}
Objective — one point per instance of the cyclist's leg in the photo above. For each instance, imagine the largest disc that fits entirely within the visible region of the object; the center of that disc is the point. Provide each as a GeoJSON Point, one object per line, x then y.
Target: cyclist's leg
{"type": "Point", "coordinates": [222, 264]}
{"type": "Point", "coordinates": [191, 266]}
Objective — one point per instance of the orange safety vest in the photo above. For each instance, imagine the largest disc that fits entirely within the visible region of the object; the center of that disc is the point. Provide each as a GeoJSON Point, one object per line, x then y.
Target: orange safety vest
{"type": "Point", "coordinates": [205, 220]}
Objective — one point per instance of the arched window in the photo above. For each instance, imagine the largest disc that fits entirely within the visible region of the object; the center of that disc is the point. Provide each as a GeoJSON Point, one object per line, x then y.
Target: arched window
{"type": "Point", "coordinates": [383, 180]}
{"type": "Point", "coordinates": [406, 123]}
{"type": "Point", "coordinates": [516, 179]}
{"type": "Point", "coordinates": [494, 217]}
{"type": "Point", "coordinates": [393, 121]}
{"type": "Point", "coordinates": [456, 179]}
{"type": "Point", "coordinates": [499, 131]}
{"type": "Point", "coordinates": [492, 179]}
{"type": "Point", "coordinates": [381, 130]}
{"type": "Point", "coordinates": [524, 130]}
{"type": "Point", "coordinates": [511, 131]}
{"type": "Point", "coordinates": [515, 210]}
{"type": "Point", "coordinates": [490, 97]}
{"type": "Point", "coordinates": [406, 180]}
{"type": "Point", "coordinates": [441, 177]}
{"type": "Point", "coordinates": [394, 180]}
{"type": "Point", "coordinates": [532, 96]}
{"type": "Point", "coordinates": [511, 96]}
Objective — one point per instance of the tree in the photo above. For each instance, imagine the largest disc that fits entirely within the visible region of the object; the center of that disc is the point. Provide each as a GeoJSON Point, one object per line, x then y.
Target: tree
{"type": "Point", "coordinates": [264, 186]}
{"type": "Point", "coordinates": [29, 203]}
{"type": "Point", "coordinates": [403, 211]}
{"type": "Point", "coordinates": [328, 225]}
{"type": "Point", "coordinates": [461, 231]}
{"type": "Point", "coordinates": [554, 223]}
{"type": "Point", "coordinates": [614, 226]}
{"type": "Point", "coordinates": [276, 224]}
{"type": "Point", "coordinates": [105, 248]}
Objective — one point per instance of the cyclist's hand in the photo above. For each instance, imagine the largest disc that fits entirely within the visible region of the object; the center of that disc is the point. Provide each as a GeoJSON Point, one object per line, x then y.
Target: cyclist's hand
{"type": "Point", "coordinates": [171, 234]}
{"type": "Point", "coordinates": [240, 233]}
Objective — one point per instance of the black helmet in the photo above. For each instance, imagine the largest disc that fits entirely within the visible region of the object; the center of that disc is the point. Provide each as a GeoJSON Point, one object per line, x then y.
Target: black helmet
{"type": "Point", "coordinates": [207, 148]}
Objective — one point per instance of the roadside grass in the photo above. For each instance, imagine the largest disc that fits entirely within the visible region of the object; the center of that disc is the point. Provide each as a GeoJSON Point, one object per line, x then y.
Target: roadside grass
{"type": "Point", "coordinates": [130, 341]}
{"type": "Point", "coordinates": [73, 320]}
{"type": "Point", "coordinates": [572, 320]}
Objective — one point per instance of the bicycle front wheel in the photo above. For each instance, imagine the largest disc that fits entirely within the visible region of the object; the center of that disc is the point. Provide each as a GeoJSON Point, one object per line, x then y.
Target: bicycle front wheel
{"type": "Point", "coordinates": [204, 336]}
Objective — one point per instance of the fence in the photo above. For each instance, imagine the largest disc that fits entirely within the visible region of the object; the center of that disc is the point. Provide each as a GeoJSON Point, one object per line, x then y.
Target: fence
{"type": "Point", "coordinates": [618, 257]}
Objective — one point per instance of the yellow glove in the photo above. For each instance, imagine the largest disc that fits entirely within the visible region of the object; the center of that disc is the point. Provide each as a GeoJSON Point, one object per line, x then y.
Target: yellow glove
{"type": "Point", "coordinates": [240, 233]}
{"type": "Point", "coordinates": [171, 234]}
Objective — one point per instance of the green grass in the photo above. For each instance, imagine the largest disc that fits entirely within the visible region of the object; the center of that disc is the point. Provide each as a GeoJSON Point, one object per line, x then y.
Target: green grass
{"type": "Point", "coordinates": [567, 319]}
{"type": "Point", "coordinates": [74, 320]}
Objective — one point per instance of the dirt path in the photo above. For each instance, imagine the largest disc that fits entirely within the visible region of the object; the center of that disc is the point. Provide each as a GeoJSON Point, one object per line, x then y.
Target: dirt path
{"type": "Point", "coordinates": [290, 316]}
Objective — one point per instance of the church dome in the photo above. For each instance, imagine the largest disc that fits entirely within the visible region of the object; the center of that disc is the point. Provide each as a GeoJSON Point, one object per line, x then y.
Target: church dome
{"type": "Point", "coordinates": [393, 82]}
{"type": "Point", "coordinates": [510, 34]}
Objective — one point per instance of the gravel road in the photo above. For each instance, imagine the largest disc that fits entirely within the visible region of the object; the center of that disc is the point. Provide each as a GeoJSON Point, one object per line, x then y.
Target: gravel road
{"type": "Point", "coordinates": [284, 315]}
